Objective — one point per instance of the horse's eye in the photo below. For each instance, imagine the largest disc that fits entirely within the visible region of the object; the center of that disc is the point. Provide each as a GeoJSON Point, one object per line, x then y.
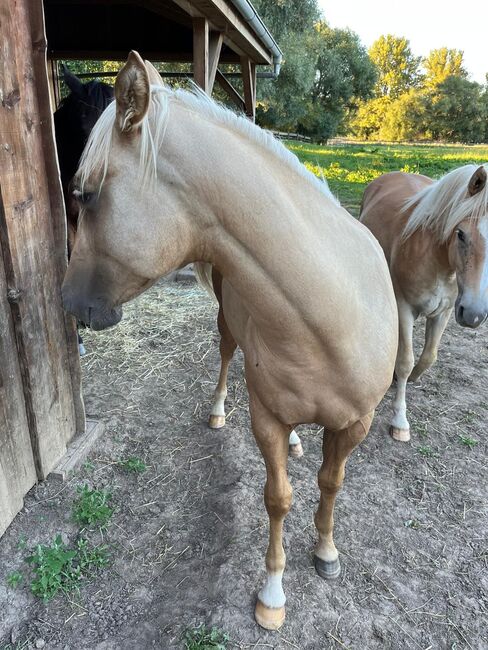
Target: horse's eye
{"type": "Point", "coordinates": [83, 198]}
{"type": "Point", "coordinates": [461, 235]}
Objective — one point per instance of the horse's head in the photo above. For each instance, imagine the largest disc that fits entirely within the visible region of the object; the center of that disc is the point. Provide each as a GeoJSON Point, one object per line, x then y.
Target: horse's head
{"type": "Point", "coordinates": [468, 253]}
{"type": "Point", "coordinates": [132, 230]}
{"type": "Point", "coordinates": [86, 101]}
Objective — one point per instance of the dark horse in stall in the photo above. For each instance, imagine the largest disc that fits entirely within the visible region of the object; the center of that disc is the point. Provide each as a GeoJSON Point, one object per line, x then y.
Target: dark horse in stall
{"type": "Point", "coordinates": [73, 121]}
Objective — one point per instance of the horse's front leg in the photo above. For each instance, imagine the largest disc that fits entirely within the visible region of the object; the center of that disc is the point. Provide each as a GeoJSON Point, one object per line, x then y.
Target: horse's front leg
{"type": "Point", "coordinates": [400, 428]}
{"type": "Point", "coordinates": [272, 438]}
{"type": "Point", "coordinates": [336, 448]}
{"type": "Point", "coordinates": [434, 329]}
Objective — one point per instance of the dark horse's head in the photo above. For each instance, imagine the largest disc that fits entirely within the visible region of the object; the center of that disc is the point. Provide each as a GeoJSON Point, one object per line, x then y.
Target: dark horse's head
{"type": "Point", "coordinates": [75, 118]}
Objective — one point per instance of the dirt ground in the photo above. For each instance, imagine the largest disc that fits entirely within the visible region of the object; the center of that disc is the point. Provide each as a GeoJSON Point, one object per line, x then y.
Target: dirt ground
{"type": "Point", "coordinates": [189, 535]}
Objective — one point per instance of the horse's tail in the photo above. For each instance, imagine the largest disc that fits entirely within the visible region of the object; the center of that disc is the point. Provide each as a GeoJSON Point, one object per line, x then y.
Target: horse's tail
{"type": "Point", "coordinates": [203, 273]}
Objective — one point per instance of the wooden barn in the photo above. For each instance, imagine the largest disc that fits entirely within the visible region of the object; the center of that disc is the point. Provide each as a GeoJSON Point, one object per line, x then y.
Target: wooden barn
{"type": "Point", "coordinates": [41, 406]}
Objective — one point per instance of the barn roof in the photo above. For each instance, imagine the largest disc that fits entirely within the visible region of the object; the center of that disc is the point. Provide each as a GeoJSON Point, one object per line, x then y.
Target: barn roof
{"type": "Point", "coordinates": [161, 30]}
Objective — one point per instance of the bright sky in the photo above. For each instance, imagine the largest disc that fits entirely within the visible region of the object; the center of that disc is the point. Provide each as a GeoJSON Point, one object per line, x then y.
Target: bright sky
{"type": "Point", "coordinates": [427, 24]}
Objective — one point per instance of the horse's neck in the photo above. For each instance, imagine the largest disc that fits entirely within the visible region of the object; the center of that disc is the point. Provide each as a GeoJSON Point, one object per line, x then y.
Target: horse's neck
{"type": "Point", "coordinates": [425, 250]}
{"type": "Point", "coordinates": [260, 216]}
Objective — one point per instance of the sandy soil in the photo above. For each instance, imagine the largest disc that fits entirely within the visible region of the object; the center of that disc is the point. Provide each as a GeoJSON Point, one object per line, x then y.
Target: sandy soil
{"type": "Point", "coordinates": [189, 535]}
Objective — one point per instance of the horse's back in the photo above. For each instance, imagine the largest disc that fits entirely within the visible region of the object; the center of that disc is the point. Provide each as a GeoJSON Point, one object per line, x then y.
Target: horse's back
{"type": "Point", "coordinates": [382, 207]}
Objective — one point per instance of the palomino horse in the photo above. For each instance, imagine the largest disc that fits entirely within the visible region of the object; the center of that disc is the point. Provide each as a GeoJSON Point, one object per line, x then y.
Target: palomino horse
{"type": "Point", "coordinates": [169, 177]}
{"type": "Point", "coordinates": [435, 238]}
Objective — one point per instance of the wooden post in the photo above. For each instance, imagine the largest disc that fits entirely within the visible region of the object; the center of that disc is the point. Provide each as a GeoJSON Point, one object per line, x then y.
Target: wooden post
{"type": "Point", "coordinates": [33, 237]}
{"type": "Point", "coordinates": [249, 80]}
{"type": "Point", "coordinates": [207, 46]}
{"type": "Point", "coordinates": [200, 52]}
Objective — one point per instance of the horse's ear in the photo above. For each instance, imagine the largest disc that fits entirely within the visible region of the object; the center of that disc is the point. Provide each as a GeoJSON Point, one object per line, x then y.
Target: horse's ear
{"type": "Point", "coordinates": [154, 76]}
{"type": "Point", "coordinates": [132, 93]}
{"type": "Point", "coordinates": [72, 81]}
{"type": "Point", "coordinates": [477, 181]}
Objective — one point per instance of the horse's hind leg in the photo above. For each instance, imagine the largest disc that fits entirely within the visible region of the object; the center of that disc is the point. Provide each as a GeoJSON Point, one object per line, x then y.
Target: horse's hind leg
{"type": "Point", "coordinates": [337, 446]}
{"type": "Point", "coordinates": [400, 428]}
{"type": "Point", "coordinates": [227, 349]}
{"type": "Point", "coordinates": [272, 438]}
{"type": "Point", "coordinates": [434, 329]}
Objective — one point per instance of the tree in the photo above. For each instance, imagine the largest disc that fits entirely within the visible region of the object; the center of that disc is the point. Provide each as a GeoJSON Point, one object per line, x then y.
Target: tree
{"type": "Point", "coordinates": [455, 111]}
{"type": "Point", "coordinates": [443, 63]}
{"type": "Point", "coordinates": [344, 74]}
{"type": "Point", "coordinates": [370, 117]}
{"type": "Point", "coordinates": [398, 68]}
{"type": "Point", "coordinates": [282, 102]}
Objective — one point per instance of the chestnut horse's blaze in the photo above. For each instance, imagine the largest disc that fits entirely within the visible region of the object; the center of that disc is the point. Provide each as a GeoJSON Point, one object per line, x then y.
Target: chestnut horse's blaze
{"type": "Point", "coordinates": [170, 177]}
{"type": "Point", "coordinates": [435, 238]}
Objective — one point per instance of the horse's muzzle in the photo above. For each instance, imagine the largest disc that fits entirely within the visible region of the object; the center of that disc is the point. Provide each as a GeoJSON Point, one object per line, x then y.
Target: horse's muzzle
{"type": "Point", "coordinates": [467, 317]}
{"type": "Point", "coordinates": [96, 316]}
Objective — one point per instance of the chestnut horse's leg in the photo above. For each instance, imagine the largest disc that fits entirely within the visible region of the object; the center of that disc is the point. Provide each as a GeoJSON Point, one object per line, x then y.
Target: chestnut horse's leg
{"type": "Point", "coordinates": [400, 428]}
{"type": "Point", "coordinates": [337, 446]}
{"type": "Point", "coordinates": [227, 349]}
{"type": "Point", "coordinates": [272, 438]}
{"type": "Point", "coordinates": [434, 329]}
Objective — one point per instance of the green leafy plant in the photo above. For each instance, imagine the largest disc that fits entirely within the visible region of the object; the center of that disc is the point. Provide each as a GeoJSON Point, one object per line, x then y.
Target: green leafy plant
{"type": "Point", "coordinates": [468, 441]}
{"type": "Point", "coordinates": [14, 579]}
{"type": "Point", "coordinates": [426, 451]}
{"type": "Point", "coordinates": [91, 507]}
{"type": "Point", "coordinates": [133, 464]}
{"type": "Point", "coordinates": [204, 638]}
{"type": "Point", "coordinates": [58, 568]}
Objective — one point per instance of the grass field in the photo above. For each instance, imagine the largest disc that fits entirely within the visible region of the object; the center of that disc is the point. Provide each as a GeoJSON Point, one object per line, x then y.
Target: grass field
{"type": "Point", "coordinates": [348, 168]}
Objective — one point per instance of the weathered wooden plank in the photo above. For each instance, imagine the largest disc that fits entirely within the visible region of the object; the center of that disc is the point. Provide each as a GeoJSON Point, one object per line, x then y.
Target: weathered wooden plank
{"type": "Point", "coordinates": [77, 451]}
{"type": "Point", "coordinates": [55, 192]}
{"type": "Point", "coordinates": [200, 52]}
{"type": "Point", "coordinates": [225, 84]}
{"type": "Point", "coordinates": [32, 254]}
{"type": "Point", "coordinates": [17, 468]}
{"type": "Point", "coordinates": [214, 48]}
{"type": "Point", "coordinates": [249, 81]}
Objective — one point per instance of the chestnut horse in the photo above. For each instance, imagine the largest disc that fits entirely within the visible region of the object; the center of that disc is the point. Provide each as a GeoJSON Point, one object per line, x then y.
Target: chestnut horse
{"type": "Point", "coordinates": [435, 238]}
{"type": "Point", "coordinates": [170, 177]}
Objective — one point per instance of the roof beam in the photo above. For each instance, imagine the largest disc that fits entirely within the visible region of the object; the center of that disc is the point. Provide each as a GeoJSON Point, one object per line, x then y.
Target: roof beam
{"type": "Point", "coordinates": [224, 18]}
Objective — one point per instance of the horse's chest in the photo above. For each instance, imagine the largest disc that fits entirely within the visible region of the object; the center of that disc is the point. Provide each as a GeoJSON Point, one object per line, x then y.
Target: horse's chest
{"type": "Point", "coordinates": [437, 299]}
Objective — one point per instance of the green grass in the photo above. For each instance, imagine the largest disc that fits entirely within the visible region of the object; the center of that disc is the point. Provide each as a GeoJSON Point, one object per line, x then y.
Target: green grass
{"type": "Point", "coordinates": [426, 451]}
{"type": "Point", "coordinates": [91, 507]}
{"type": "Point", "coordinates": [467, 441]}
{"type": "Point", "coordinates": [348, 168]}
{"type": "Point", "coordinates": [58, 568]}
{"type": "Point", "coordinates": [14, 579]}
{"type": "Point", "coordinates": [133, 464]}
{"type": "Point", "coordinates": [204, 638]}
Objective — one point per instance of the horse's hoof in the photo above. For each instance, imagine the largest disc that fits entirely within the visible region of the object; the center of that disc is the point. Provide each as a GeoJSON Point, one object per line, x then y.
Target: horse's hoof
{"type": "Point", "coordinates": [216, 421]}
{"type": "Point", "coordinates": [296, 451]}
{"type": "Point", "coordinates": [271, 618]}
{"type": "Point", "coordinates": [403, 435]}
{"type": "Point", "coordinates": [327, 570]}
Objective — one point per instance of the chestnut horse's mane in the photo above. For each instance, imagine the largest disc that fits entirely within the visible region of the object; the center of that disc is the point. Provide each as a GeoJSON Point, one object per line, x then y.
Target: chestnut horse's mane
{"type": "Point", "coordinates": [94, 160]}
{"type": "Point", "coordinates": [442, 206]}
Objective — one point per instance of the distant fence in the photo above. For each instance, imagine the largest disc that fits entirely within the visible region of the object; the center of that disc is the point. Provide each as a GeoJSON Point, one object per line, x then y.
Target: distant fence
{"type": "Point", "coordinates": [291, 136]}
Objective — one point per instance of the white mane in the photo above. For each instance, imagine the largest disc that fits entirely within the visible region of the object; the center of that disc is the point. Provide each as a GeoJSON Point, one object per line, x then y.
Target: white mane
{"type": "Point", "coordinates": [97, 151]}
{"type": "Point", "coordinates": [440, 207]}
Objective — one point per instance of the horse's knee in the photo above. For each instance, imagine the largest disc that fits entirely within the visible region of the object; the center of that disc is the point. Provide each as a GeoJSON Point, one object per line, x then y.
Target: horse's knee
{"type": "Point", "coordinates": [278, 498]}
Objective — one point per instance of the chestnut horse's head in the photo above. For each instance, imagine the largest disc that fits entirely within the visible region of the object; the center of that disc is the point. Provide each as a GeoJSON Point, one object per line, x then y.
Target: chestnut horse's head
{"type": "Point", "coordinates": [455, 208]}
{"type": "Point", "coordinates": [468, 251]}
